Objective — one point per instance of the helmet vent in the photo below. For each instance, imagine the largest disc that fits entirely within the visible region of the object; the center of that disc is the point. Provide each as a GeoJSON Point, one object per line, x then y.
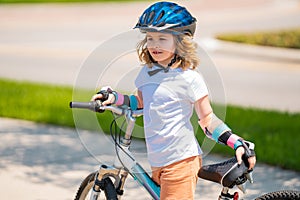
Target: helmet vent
{"type": "Point", "coordinates": [160, 16]}
{"type": "Point", "coordinates": [151, 17]}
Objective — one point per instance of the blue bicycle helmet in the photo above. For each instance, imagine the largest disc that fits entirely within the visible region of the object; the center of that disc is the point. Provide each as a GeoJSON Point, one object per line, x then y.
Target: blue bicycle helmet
{"type": "Point", "coordinates": [167, 17]}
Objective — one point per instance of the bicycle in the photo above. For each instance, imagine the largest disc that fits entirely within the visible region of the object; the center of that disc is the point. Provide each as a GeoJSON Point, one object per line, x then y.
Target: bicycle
{"type": "Point", "coordinates": [111, 179]}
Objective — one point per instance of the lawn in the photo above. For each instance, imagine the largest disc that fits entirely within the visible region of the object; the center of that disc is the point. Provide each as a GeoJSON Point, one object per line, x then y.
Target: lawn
{"type": "Point", "coordinates": [276, 134]}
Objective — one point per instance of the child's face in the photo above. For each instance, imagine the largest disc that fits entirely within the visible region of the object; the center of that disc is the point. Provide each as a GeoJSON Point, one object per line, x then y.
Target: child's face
{"type": "Point", "coordinates": [161, 46]}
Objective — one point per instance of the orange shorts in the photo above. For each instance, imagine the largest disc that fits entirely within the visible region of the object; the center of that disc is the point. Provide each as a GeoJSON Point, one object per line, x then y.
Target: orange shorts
{"type": "Point", "coordinates": [178, 180]}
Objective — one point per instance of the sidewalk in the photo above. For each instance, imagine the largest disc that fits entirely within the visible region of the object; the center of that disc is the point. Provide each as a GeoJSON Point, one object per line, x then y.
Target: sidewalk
{"type": "Point", "coordinates": [40, 162]}
{"type": "Point", "coordinates": [253, 51]}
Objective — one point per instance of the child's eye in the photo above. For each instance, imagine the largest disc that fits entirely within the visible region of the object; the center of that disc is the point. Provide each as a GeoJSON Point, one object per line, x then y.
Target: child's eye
{"type": "Point", "coordinates": [162, 38]}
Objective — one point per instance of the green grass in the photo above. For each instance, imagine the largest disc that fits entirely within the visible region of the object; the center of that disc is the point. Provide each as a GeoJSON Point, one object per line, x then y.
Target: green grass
{"type": "Point", "coordinates": [36, 102]}
{"type": "Point", "coordinates": [45, 104]}
{"type": "Point", "coordinates": [275, 134]}
{"type": "Point", "coordinates": [283, 38]}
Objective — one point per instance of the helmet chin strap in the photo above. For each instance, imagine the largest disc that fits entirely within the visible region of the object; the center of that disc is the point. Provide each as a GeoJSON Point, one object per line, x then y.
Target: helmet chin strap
{"type": "Point", "coordinates": [162, 68]}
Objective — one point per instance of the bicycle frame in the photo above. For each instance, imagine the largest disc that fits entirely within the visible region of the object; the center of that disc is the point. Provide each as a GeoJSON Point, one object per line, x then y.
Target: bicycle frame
{"type": "Point", "coordinates": [125, 162]}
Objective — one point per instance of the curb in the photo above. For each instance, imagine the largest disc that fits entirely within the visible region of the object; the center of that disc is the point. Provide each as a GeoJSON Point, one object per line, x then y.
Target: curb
{"type": "Point", "coordinates": [275, 53]}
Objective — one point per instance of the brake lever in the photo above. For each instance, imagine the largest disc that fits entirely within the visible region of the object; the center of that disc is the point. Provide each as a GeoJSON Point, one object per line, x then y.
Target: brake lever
{"type": "Point", "coordinates": [98, 106]}
{"type": "Point", "coordinates": [249, 176]}
{"type": "Point", "coordinates": [249, 152]}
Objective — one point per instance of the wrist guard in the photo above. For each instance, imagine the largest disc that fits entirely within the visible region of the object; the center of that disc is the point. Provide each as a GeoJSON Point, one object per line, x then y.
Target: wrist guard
{"type": "Point", "coordinates": [230, 139]}
{"type": "Point", "coordinates": [218, 131]}
{"type": "Point", "coordinates": [125, 100]}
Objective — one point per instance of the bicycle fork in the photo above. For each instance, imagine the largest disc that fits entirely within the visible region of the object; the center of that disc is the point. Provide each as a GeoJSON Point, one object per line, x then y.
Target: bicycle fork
{"type": "Point", "coordinates": [119, 176]}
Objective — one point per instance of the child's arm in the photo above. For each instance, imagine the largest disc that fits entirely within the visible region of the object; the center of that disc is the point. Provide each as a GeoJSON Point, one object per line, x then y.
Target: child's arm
{"type": "Point", "coordinates": [217, 130]}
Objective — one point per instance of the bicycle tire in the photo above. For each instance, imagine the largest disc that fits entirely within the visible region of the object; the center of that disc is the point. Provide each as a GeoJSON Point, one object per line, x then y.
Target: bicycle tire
{"type": "Point", "coordinates": [87, 185]}
{"type": "Point", "coordinates": [281, 195]}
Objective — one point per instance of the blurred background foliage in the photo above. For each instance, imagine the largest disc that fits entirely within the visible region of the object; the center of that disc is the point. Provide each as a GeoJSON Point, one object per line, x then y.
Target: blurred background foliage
{"type": "Point", "coordinates": [282, 38]}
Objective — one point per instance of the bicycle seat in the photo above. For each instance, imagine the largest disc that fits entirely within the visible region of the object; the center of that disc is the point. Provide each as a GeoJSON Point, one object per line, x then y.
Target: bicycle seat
{"type": "Point", "coordinates": [227, 173]}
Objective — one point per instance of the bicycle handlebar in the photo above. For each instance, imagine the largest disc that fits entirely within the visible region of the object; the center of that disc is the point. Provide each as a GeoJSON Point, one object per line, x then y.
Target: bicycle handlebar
{"type": "Point", "coordinates": [97, 106]}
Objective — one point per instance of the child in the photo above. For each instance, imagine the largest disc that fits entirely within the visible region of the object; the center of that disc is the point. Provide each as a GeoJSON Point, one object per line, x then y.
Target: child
{"type": "Point", "coordinates": [168, 90]}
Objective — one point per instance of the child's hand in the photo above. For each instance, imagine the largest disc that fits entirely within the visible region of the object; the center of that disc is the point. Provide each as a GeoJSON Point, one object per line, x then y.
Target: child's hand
{"type": "Point", "coordinates": [110, 99]}
{"type": "Point", "coordinates": [240, 151]}
{"type": "Point", "coordinates": [105, 95]}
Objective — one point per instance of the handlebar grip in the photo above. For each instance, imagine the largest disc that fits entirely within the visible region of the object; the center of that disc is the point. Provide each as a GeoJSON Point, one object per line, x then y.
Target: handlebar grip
{"type": "Point", "coordinates": [92, 105]}
{"type": "Point", "coordinates": [80, 104]}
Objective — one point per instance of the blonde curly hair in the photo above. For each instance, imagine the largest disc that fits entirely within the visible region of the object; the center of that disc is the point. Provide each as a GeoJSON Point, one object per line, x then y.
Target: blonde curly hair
{"type": "Point", "coordinates": [186, 51]}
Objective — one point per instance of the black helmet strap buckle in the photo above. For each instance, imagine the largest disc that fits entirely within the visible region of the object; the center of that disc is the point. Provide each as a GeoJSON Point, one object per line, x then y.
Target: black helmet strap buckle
{"type": "Point", "coordinates": [162, 68]}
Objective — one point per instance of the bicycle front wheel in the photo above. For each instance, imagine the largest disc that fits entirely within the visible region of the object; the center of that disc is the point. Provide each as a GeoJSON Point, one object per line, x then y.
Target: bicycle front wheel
{"type": "Point", "coordinates": [281, 195]}
{"type": "Point", "coordinates": [86, 187]}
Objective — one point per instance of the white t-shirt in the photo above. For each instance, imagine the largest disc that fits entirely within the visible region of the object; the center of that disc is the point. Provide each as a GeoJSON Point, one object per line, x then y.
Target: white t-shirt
{"type": "Point", "coordinates": [168, 100]}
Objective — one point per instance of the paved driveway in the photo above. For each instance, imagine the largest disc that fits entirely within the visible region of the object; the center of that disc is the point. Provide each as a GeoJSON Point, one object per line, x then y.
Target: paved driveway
{"type": "Point", "coordinates": [48, 162]}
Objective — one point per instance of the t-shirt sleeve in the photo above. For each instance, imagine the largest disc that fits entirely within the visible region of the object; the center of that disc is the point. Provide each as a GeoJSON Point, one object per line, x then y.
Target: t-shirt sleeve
{"type": "Point", "coordinates": [198, 88]}
{"type": "Point", "coordinates": [139, 81]}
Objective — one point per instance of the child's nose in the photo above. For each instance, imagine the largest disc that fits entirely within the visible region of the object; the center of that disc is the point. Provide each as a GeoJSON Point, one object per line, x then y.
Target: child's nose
{"type": "Point", "coordinates": [155, 44]}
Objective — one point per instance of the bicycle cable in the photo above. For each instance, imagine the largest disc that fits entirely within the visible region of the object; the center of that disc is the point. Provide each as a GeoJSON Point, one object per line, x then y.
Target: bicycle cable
{"type": "Point", "coordinates": [116, 135]}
